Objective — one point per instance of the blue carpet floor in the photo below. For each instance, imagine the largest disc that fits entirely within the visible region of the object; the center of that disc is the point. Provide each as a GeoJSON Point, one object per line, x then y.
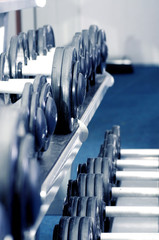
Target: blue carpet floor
{"type": "Point", "coordinates": [131, 103]}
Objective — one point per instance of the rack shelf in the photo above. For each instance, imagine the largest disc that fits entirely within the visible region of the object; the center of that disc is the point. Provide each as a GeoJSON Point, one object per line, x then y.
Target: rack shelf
{"type": "Point", "coordinates": [57, 160]}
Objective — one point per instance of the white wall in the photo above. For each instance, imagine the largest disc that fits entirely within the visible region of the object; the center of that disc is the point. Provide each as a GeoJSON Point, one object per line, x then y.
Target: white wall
{"type": "Point", "coordinates": [63, 16]}
{"type": "Point", "coordinates": [131, 25]}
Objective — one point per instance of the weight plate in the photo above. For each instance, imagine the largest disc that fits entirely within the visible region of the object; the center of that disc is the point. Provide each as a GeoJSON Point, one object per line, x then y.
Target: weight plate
{"type": "Point", "coordinates": [47, 103]}
{"type": "Point", "coordinates": [82, 168]}
{"type": "Point", "coordinates": [81, 89]}
{"type": "Point", "coordinates": [81, 207]}
{"type": "Point", "coordinates": [63, 228]}
{"type": "Point", "coordinates": [51, 115]}
{"type": "Point", "coordinates": [90, 165]}
{"type": "Point", "coordinates": [41, 42]}
{"type": "Point", "coordinates": [98, 165]}
{"type": "Point", "coordinates": [98, 186]}
{"type": "Point", "coordinates": [73, 232]}
{"type": "Point", "coordinates": [85, 44]}
{"type": "Point", "coordinates": [90, 185]}
{"type": "Point", "coordinates": [56, 76]}
{"type": "Point", "coordinates": [69, 59]}
{"type": "Point", "coordinates": [93, 34]}
{"type": "Point", "coordinates": [70, 207]}
{"type": "Point", "coordinates": [44, 94]}
{"type": "Point", "coordinates": [50, 38]}
{"type": "Point", "coordinates": [74, 90]}
{"type": "Point", "coordinates": [55, 232]}
{"type": "Point", "coordinates": [38, 83]}
{"type": "Point", "coordinates": [23, 42]}
{"type": "Point", "coordinates": [37, 123]}
{"type": "Point", "coordinates": [77, 44]}
{"type": "Point", "coordinates": [107, 180]}
{"type": "Point", "coordinates": [4, 76]}
{"type": "Point", "coordinates": [92, 210]}
{"type": "Point", "coordinates": [26, 102]}
{"type": "Point", "coordinates": [86, 229]}
{"type": "Point", "coordinates": [81, 183]}
{"type": "Point", "coordinates": [31, 34]}
{"type": "Point", "coordinates": [12, 56]}
{"type": "Point", "coordinates": [4, 67]}
{"type": "Point", "coordinates": [41, 134]}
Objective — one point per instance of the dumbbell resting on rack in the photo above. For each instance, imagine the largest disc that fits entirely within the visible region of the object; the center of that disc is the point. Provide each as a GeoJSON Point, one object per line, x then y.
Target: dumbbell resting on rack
{"type": "Point", "coordinates": [40, 111]}
{"type": "Point", "coordinates": [91, 51]}
{"type": "Point", "coordinates": [68, 89]}
{"type": "Point", "coordinates": [83, 228]}
{"type": "Point", "coordinates": [89, 184]}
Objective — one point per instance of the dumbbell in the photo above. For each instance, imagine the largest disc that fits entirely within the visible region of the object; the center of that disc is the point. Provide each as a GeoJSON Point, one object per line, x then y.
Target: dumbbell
{"type": "Point", "coordinates": [67, 84]}
{"type": "Point", "coordinates": [39, 109]}
{"type": "Point", "coordinates": [109, 150]}
{"type": "Point", "coordinates": [102, 213]}
{"type": "Point", "coordinates": [19, 176]}
{"type": "Point", "coordinates": [95, 50]}
{"type": "Point", "coordinates": [37, 49]}
{"type": "Point", "coordinates": [111, 137]}
{"type": "Point", "coordinates": [101, 185]}
{"type": "Point", "coordinates": [83, 228]}
{"type": "Point", "coordinates": [85, 206]}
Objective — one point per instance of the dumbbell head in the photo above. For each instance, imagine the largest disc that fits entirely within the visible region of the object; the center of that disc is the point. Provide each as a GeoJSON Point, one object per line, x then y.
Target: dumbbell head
{"type": "Point", "coordinates": [45, 39]}
{"type": "Point", "coordinates": [74, 228]}
{"type": "Point", "coordinates": [31, 35]}
{"type": "Point", "coordinates": [85, 206]}
{"type": "Point", "coordinates": [100, 167]}
{"type": "Point", "coordinates": [65, 118]}
{"type": "Point", "coordinates": [50, 38]}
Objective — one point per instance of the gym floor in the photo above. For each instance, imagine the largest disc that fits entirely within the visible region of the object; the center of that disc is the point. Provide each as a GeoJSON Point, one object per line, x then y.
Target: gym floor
{"type": "Point", "coordinates": [132, 103]}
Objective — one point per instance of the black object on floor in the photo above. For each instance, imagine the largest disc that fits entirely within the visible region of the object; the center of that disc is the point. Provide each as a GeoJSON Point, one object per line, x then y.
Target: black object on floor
{"type": "Point", "coordinates": [119, 66]}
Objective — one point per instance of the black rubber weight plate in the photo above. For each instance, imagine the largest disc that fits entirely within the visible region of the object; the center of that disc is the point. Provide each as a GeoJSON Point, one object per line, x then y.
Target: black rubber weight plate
{"type": "Point", "coordinates": [69, 59]}
{"type": "Point", "coordinates": [32, 44]}
{"type": "Point", "coordinates": [56, 75]}
{"type": "Point", "coordinates": [50, 39]}
{"type": "Point", "coordinates": [82, 205]}
{"type": "Point", "coordinates": [63, 228]}
{"type": "Point", "coordinates": [38, 83]}
{"type": "Point", "coordinates": [82, 184]}
{"type": "Point", "coordinates": [86, 231]}
{"type": "Point", "coordinates": [73, 228]}
{"type": "Point", "coordinates": [12, 55]}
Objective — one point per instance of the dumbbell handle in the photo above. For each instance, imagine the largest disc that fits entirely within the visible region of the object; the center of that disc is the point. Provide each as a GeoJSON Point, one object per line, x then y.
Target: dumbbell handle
{"type": "Point", "coordinates": [131, 163]}
{"type": "Point", "coordinates": [129, 236]}
{"type": "Point", "coordinates": [131, 211]}
{"type": "Point", "coordinates": [16, 86]}
{"type": "Point", "coordinates": [137, 175]}
{"type": "Point", "coordinates": [42, 65]}
{"type": "Point", "coordinates": [134, 192]}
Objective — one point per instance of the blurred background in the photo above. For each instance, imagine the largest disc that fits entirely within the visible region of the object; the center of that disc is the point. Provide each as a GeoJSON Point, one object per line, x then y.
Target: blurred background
{"type": "Point", "coordinates": [131, 26]}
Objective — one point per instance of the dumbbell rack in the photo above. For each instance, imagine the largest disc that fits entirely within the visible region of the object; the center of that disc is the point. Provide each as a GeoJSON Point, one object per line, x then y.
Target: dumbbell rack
{"type": "Point", "coordinates": [57, 160]}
